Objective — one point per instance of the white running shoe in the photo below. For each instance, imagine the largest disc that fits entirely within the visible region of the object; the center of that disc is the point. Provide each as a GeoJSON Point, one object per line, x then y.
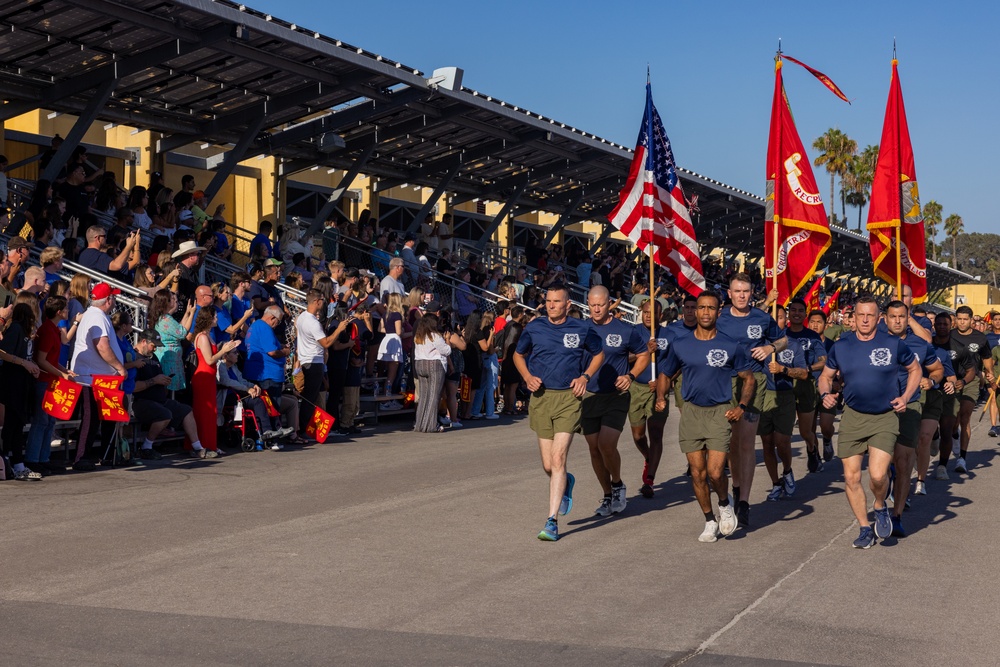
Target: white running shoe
{"type": "Point", "coordinates": [604, 509]}
{"type": "Point", "coordinates": [618, 499]}
{"type": "Point", "coordinates": [960, 465]}
{"type": "Point", "coordinates": [921, 489]}
{"type": "Point", "coordinates": [727, 520]}
{"type": "Point", "coordinates": [711, 532]}
{"type": "Point", "coordinates": [788, 481]}
{"type": "Point", "coordinates": [941, 472]}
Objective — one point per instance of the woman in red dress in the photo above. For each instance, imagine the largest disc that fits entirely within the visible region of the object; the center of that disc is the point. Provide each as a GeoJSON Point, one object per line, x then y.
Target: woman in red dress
{"type": "Point", "coordinates": [203, 385]}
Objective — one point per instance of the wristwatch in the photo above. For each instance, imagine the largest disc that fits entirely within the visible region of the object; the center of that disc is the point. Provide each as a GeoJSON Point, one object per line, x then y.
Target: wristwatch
{"type": "Point", "coordinates": [631, 377]}
{"type": "Point", "coordinates": [742, 407]}
{"type": "Point", "coordinates": [585, 375]}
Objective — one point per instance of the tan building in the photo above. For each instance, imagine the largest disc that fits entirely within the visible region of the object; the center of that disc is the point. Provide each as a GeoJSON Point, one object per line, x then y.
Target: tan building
{"type": "Point", "coordinates": [981, 297]}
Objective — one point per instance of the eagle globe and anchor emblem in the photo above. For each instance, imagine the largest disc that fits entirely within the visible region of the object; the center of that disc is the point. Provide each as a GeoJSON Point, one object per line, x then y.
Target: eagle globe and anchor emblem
{"type": "Point", "coordinates": [880, 356]}
{"type": "Point", "coordinates": [571, 340]}
{"type": "Point", "coordinates": [717, 358]}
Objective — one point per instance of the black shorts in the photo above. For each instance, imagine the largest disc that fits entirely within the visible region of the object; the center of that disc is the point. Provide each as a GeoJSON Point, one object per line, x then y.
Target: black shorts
{"type": "Point", "coordinates": [149, 412]}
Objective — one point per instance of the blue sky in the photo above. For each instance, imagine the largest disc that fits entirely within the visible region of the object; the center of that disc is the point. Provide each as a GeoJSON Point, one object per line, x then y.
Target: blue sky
{"type": "Point", "coordinates": [584, 63]}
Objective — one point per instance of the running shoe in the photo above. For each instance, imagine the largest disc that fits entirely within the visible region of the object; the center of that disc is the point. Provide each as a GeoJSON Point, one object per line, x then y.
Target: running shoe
{"type": "Point", "coordinates": [812, 461]}
{"type": "Point", "coordinates": [866, 539]}
{"type": "Point", "coordinates": [711, 532]}
{"type": "Point", "coordinates": [777, 491]}
{"type": "Point", "coordinates": [647, 491]}
{"type": "Point", "coordinates": [444, 421]}
{"type": "Point", "coordinates": [618, 499]}
{"type": "Point", "coordinates": [788, 481]}
{"type": "Point", "coordinates": [743, 514]}
{"type": "Point", "coordinates": [277, 447]}
{"type": "Point", "coordinates": [883, 523]}
{"type": "Point", "coordinates": [646, 479]}
{"type": "Point", "coordinates": [27, 475]}
{"type": "Point", "coordinates": [456, 424]}
{"type": "Point", "coordinates": [727, 520]}
{"type": "Point", "coordinates": [897, 527]}
{"type": "Point", "coordinates": [941, 472]}
{"type": "Point", "coordinates": [550, 533]}
{"type": "Point", "coordinates": [994, 432]}
{"type": "Point", "coordinates": [827, 450]}
{"type": "Point", "coordinates": [921, 489]}
{"type": "Point", "coordinates": [492, 416]}
{"type": "Point", "coordinates": [960, 465]}
{"type": "Point", "coordinates": [567, 500]}
{"type": "Point", "coordinates": [604, 509]}
{"type": "Point", "coordinates": [150, 454]}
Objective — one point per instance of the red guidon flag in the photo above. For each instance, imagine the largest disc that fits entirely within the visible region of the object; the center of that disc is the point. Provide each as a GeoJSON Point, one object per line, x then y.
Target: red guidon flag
{"type": "Point", "coordinates": [797, 232]}
{"type": "Point", "coordinates": [269, 404]}
{"type": "Point", "coordinates": [110, 403]}
{"type": "Point", "coordinates": [812, 296]}
{"type": "Point", "coordinates": [320, 425]}
{"type": "Point", "coordinates": [832, 301]}
{"type": "Point", "coordinates": [652, 211]}
{"type": "Point", "coordinates": [106, 381]}
{"type": "Point", "coordinates": [60, 398]}
{"type": "Point", "coordinates": [895, 204]}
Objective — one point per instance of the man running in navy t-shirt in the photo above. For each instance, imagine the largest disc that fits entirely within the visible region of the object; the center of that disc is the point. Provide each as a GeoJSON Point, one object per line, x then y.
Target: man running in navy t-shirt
{"type": "Point", "coordinates": [708, 358]}
{"type": "Point", "coordinates": [759, 334]}
{"type": "Point", "coordinates": [551, 356]}
{"type": "Point", "coordinates": [606, 403]}
{"type": "Point", "coordinates": [646, 421]}
{"type": "Point", "coordinates": [806, 396]}
{"type": "Point", "coordinates": [869, 364]}
{"type": "Point", "coordinates": [911, 421]}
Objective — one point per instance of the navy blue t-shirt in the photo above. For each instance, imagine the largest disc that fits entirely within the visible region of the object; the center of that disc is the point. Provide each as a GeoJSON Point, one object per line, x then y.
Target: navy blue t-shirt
{"type": "Point", "coordinates": [662, 345]}
{"type": "Point", "coordinates": [926, 356]}
{"type": "Point", "coordinates": [708, 367]}
{"type": "Point", "coordinates": [944, 356]}
{"type": "Point", "coordinates": [620, 339]}
{"type": "Point", "coordinates": [755, 329]}
{"type": "Point", "coordinates": [870, 369]}
{"type": "Point", "coordinates": [558, 354]}
{"type": "Point", "coordinates": [812, 344]}
{"type": "Point", "coordinates": [792, 356]}
{"type": "Point", "coordinates": [993, 339]}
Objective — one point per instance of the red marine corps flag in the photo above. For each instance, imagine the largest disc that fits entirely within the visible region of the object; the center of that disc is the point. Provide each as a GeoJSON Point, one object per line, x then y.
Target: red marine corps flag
{"type": "Point", "coordinates": [832, 301]}
{"type": "Point", "coordinates": [812, 296]}
{"type": "Point", "coordinates": [797, 232]}
{"type": "Point", "coordinates": [895, 222]}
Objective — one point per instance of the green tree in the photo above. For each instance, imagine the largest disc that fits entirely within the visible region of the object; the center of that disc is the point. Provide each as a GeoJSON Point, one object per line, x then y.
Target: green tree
{"type": "Point", "coordinates": [953, 226]}
{"type": "Point", "coordinates": [857, 182]}
{"type": "Point", "coordinates": [993, 266]}
{"type": "Point", "coordinates": [837, 151]}
{"type": "Point", "coordinates": [932, 221]}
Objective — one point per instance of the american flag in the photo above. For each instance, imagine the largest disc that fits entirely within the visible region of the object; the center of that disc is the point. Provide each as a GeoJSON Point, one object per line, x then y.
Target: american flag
{"type": "Point", "coordinates": [652, 211]}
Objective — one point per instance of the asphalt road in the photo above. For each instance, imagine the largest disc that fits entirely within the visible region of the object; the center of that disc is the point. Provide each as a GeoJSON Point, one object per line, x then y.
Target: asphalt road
{"type": "Point", "coordinates": [411, 549]}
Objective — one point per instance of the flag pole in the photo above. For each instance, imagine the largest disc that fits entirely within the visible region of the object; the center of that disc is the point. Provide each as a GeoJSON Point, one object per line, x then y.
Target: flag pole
{"type": "Point", "coordinates": [776, 223]}
{"type": "Point", "coordinates": [652, 249]}
{"type": "Point", "coordinates": [899, 223]}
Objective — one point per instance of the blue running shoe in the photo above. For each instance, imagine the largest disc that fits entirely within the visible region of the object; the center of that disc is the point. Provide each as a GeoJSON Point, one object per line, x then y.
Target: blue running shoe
{"type": "Point", "coordinates": [551, 531]}
{"type": "Point", "coordinates": [897, 527]}
{"type": "Point", "coordinates": [866, 539]}
{"type": "Point", "coordinates": [567, 500]}
{"type": "Point", "coordinates": [883, 523]}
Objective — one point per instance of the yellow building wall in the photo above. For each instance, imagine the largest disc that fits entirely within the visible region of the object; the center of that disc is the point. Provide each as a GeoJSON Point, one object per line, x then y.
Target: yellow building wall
{"type": "Point", "coordinates": [982, 298]}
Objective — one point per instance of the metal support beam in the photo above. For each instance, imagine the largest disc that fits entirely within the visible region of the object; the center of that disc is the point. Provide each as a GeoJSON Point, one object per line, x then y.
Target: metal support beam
{"type": "Point", "coordinates": [482, 193]}
{"type": "Point", "coordinates": [83, 123]}
{"type": "Point", "coordinates": [511, 203]}
{"type": "Point", "coordinates": [565, 219]}
{"type": "Point", "coordinates": [345, 183]}
{"type": "Point", "coordinates": [432, 200]}
{"type": "Point", "coordinates": [233, 158]}
{"type": "Point", "coordinates": [608, 229]}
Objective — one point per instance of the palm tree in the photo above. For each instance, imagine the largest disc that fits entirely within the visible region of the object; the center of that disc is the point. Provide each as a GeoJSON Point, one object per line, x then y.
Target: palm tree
{"type": "Point", "coordinates": [857, 182]}
{"type": "Point", "coordinates": [953, 226]}
{"type": "Point", "coordinates": [837, 151]}
{"type": "Point", "coordinates": [932, 220]}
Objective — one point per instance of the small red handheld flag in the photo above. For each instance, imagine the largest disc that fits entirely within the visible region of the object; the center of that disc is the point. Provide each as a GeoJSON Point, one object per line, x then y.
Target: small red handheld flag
{"type": "Point", "coordinates": [320, 425]}
{"type": "Point", "coordinates": [60, 398]}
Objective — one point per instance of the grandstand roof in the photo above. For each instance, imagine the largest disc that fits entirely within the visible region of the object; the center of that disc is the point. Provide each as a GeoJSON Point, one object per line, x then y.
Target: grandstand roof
{"type": "Point", "coordinates": [220, 72]}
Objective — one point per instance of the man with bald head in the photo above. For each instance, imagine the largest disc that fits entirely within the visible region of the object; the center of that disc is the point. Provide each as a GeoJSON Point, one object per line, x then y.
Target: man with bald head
{"type": "Point", "coordinates": [202, 297]}
{"type": "Point", "coordinates": [606, 403]}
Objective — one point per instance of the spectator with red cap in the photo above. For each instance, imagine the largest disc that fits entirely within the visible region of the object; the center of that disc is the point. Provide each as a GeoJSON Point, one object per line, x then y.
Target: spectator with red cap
{"type": "Point", "coordinates": [95, 352]}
